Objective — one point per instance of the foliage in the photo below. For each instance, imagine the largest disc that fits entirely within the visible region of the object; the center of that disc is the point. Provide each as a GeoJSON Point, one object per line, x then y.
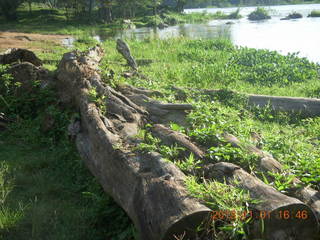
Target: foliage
{"type": "Point", "coordinates": [9, 8]}
{"type": "Point", "coordinates": [314, 13]}
{"type": "Point", "coordinates": [266, 67]}
{"type": "Point", "coordinates": [259, 14]}
{"type": "Point", "coordinates": [294, 15]}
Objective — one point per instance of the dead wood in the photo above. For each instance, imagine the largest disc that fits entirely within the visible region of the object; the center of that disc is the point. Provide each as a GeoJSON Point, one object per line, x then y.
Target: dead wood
{"type": "Point", "coordinates": [124, 50]}
{"type": "Point", "coordinates": [170, 138]}
{"type": "Point", "coordinates": [19, 55]}
{"type": "Point", "coordinates": [269, 164]}
{"type": "Point", "coordinates": [279, 214]}
{"type": "Point", "coordinates": [28, 75]}
{"type": "Point", "coordinates": [307, 107]}
{"type": "Point", "coordinates": [148, 188]}
{"type": "Point", "coordinates": [159, 112]}
{"type": "Point", "coordinates": [127, 89]}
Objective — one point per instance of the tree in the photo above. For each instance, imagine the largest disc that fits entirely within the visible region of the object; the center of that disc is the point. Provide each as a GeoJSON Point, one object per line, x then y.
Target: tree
{"type": "Point", "coordinates": [9, 8]}
{"type": "Point", "coordinates": [180, 5]}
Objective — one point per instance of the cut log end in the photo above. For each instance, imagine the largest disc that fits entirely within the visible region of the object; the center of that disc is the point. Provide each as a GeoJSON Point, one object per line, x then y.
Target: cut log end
{"type": "Point", "coordinates": [275, 216]}
{"type": "Point", "coordinates": [187, 225]}
{"type": "Point", "coordinates": [293, 221]}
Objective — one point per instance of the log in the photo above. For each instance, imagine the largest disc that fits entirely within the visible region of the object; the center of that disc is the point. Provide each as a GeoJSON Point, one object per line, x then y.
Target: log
{"type": "Point", "coordinates": [307, 107]}
{"type": "Point", "coordinates": [159, 112]}
{"type": "Point", "coordinates": [268, 163]}
{"type": "Point", "coordinates": [170, 138]}
{"type": "Point", "coordinates": [127, 89]}
{"type": "Point", "coordinates": [282, 217]}
{"type": "Point", "coordinates": [27, 74]}
{"type": "Point", "coordinates": [150, 189]}
{"type": "Point", "coordinates": [124, 50]}
{"type": "Point", "coordinates": [19, 55]}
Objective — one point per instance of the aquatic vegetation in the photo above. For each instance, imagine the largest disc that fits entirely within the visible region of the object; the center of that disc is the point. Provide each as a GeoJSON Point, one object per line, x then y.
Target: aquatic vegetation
{"type": "Point", "coordinates": [259, 14]}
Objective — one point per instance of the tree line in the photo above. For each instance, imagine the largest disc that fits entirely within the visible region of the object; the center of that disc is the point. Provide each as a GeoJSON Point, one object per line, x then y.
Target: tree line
{"type": "Point", "coordinates": [106, 10]}
{"type": "Point", "coordinates": [226, 3]}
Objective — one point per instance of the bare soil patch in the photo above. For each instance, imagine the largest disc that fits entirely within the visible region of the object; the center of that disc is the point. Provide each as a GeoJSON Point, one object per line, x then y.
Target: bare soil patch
{"type": "Point", "coordinates": [31, 41]}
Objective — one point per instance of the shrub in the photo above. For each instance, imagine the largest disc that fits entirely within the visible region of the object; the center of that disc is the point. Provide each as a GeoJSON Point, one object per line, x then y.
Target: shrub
{"type": "Point", "coordinates": [294, 15]}
{"type": "Point", "coordinates": [259, 14]}
{"type": "Point", "coordinates": [314, 13]}
{"type": "Point", "coordinates": [234, 15]}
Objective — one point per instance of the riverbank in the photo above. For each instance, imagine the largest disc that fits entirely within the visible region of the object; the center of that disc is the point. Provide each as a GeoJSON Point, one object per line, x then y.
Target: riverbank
{"type": "Point", "coordinates": [54, 21]}
{"type": "Point", "coordinates": [31, 41]}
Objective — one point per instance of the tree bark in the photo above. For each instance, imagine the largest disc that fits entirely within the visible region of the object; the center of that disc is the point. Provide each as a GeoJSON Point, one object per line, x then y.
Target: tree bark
{"type": "Point", "coordinates": [307, 107]}
{"type": "Point", "coordinates": [19, 55]}
{"type": "Point", "coordinates": [269, 164]}
{"type": "Point", "coordinates": [282, 217]}
{"type": "Point", "coordinates": [170, 138]}
{"type": "Point", "coordinates": [124, 50]}
{"type": "Point", "coordinates": [148, 188]}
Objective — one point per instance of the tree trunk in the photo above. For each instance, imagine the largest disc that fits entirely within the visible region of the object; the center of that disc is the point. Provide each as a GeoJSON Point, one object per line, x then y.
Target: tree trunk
{"type": "Point", "coordinates": [30, 7]}
{"type": "Point", "coordinates": [148, 188]}
{"type": "Point", "coordinates": [269, 164]}
{"type": "Point", "coordinates": [307, 107]}
{"type": "Point", "coordinates": [13, 55]}
{"type": "Point", "coordinates": [90, 8]}
{"type": "Point", "coordinates": [280, 216]}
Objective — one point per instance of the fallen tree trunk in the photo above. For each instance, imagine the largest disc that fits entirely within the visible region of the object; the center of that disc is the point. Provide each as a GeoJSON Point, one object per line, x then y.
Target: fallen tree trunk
{"type": "Point", "coordinates": [269, 164]}
{"type": "Point", "coordinates": [307, 107]}
{"type": "Point", "coordinates": [19, 55]}
{"type": "Point", "coordinates": [148, 188]}
{"type": "Point", "coordinates": [124, 50]}
{"type": "Point", "coordinates": [170, 138]}
{"type": "Point", "coordinates": [280, 216]}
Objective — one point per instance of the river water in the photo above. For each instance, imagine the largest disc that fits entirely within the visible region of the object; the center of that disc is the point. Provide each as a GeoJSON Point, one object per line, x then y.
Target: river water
{"type": "Point", "coordinates": [285, 36]}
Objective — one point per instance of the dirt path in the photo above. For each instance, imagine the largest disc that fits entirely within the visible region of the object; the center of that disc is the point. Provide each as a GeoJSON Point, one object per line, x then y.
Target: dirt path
{"type": "Point", "coordinates": [30, 41]}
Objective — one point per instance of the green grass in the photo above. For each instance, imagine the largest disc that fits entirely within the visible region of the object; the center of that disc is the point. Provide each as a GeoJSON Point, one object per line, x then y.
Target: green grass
{"type": "Point", "coordinates": [218, 64]}
{"type": "Point", "coordinates": [52, 194]}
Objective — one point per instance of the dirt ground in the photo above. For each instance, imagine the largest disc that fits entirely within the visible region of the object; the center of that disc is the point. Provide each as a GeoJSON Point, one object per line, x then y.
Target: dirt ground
{"type": "Point", "coordinates": [30, 41]}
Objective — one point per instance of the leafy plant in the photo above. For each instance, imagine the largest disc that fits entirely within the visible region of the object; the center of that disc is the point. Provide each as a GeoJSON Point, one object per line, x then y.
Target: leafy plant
{"type": "Point", "coordinates": [314, 13]}
{"type": "Point", "coordinates": [259, 14]}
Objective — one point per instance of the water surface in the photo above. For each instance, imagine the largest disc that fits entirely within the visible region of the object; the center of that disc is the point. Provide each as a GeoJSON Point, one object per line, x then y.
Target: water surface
{"type": "Point", "coordinates": [299, 35]}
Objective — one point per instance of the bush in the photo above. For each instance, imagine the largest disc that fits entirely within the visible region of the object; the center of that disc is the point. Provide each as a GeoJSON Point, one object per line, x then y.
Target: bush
{"type": "Point", "coordinates": [259, 14]}
{"type": "Point", "coordinates": [293, 15]}
{"type": "Point", "coordinates": [234, 15]}
{"type": "Point", "coordinates": [267, 68]}
{"type": "Point", "coordinates": [314, 13]}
